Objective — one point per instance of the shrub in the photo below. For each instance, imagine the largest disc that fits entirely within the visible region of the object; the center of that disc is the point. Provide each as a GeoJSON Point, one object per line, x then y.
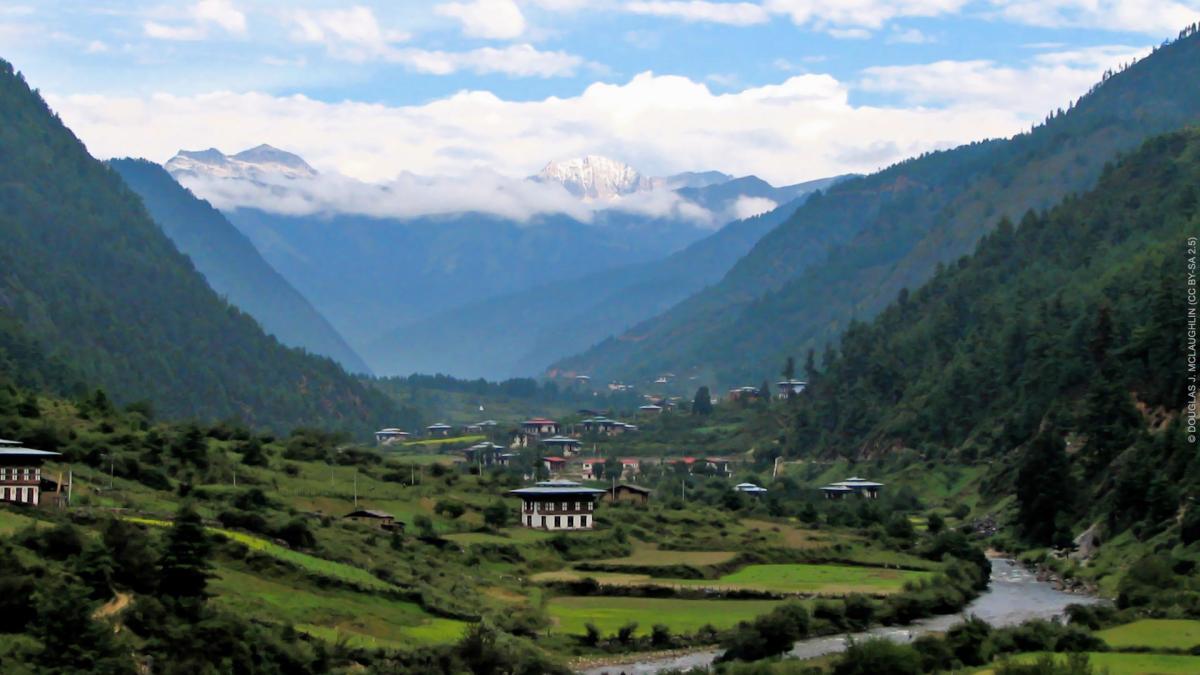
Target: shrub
{"type": "Point", "coordinates": [878, 655]}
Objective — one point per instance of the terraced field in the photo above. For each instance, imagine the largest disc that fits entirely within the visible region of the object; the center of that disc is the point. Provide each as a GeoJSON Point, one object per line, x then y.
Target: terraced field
{"type": "Point", "coordinates": [364, 619]}
{"type": "Point", "coordinates": [1114, 663]}
{"type": "Point", "coordinates": [834, 580]}
{"type": "Point", "coordinates": [571, 614]}
{"type": "Point", "coordinates": [649, 555]}
{"type": "Point", "coordinates": [1153, 634]}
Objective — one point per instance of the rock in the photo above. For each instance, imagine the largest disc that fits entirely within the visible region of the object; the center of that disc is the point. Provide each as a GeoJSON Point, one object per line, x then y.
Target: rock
{"type": "Point", "coordinates": [1087, 543]}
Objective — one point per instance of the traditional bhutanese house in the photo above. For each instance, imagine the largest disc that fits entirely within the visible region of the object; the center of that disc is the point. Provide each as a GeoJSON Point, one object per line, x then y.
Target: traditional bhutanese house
{"type": "Point", "coordinates": [390, 436]}
{"type": "Point", "coordinates": [860, 486]}
{"type": "Point", "coordinates": [558, 505]}
{"type": "Point", "coordinates": [380, 519]}
{"type": "Point", "coordinates": [21, 473]}
{"type": "Point", "coordinates": [630, 466]}
{"type": "Point", "coordinates": [483, 427]}
{"type": "Point", "coordinates": [627, 492]}
{"type": "Point", "coordinates": [790, 387]}
{"type": "Point", "coordinates": [583, 380]}
{"type": "Point", "coordinates": [744, 393]}
{"type": "Point", "coordinates": [836, 491]}
{"type": "Point", "coordinates": [555, 465]}
{"type": "Point", "coordinates": [540, 426]}
{"type": "Point", "coordinates": [650, 409]}
{"type": "Point", "coordinates": [750, 488]}
{"type": "Point", "coordinates": [485, 454]}
{"type": "Point", "coordinates": [506, 458]}
{"type": "Point", "coordinates": [589, 469]}
{"type": "Point", "coordinates": [721, 466]}
{"type": "Point", "coordinates": [439, 430]}
{"type": "Point", "coordinates": [563, 444]}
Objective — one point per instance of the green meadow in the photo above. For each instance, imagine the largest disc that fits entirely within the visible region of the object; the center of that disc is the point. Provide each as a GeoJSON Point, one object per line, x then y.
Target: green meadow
{"type": "Point", "coordinates": [1153, 634]}
{"type": "Point", "coordinates": [571, 614]}
{"type": "Point", "coordinates": [1113, 663]}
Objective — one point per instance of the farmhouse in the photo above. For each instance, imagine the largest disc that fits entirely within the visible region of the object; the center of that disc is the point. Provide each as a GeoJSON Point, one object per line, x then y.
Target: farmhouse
{"type": "Point", "coordinates": [485, 454]}
{"type": "Point", "coordinates": [789, 388]}
{"type": "Point", "coordinates": [540, 426]}
{"type": "Point", "coordinates": [853, 485]}
{"type": "Point", "coordinates": [554, 465]}
{"type": "Point", "coordinates": [630, 466]}
{"type": "Point", "coordinates": [439, 430]}
{"type": "Point", "coordinates": [627, 492]}
{"type": "Point", "coordinates": [380, 519]}
{"type": "Point", "coordinates": [650, 409]}
{"type": "Point", "coordinates": [557, 505]}
{"type": "Point", "coordinates": [744, 393]}
{"type": "Point", "coordinates": [390, 436]}
{"type": "Point", "coordinates": [720, 466]}
{"type": "Point", "coordinates": [590, 468]}
{"type": "Point", "coordinates": [21, 473]}
{"type": "Point", "coordinates": [749, 488]}
{"type": "Point", "coordinates": [483, 427]}
{"type": "Point", "coordinates": [567, 446]}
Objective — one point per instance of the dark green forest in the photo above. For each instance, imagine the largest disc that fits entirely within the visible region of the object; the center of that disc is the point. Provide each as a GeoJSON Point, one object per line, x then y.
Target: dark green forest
{"type": "Point", "coordinates": [1056, 351]}
{"type": "Point", "coordinates": [92, 291]}
{"type": "Point", "coordinates": [847, 252]}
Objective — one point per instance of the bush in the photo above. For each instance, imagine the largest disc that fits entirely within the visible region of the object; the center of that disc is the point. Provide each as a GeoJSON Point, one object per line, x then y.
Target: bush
{"type": "Point", "coordinates": [878, 655]}
{"type": "Point", "coordinates": [660, 635]}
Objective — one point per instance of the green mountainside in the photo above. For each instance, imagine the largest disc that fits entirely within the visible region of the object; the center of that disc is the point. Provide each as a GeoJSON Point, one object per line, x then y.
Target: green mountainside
{"type": "Point", "coordinates": [847, 253]}
{"type": "Point", "coordinates": [231, 264]}
{"type": "Point", "coordinates": [1054, 354]}
{"type": "Point", "coordinates": [96, 285]}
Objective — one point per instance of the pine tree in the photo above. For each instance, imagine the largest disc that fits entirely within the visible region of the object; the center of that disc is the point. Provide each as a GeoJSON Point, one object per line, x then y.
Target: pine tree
{"type": "Point", "coordinates": [702, 402]}
{"type": "Point", "coordinates": [184, 568]}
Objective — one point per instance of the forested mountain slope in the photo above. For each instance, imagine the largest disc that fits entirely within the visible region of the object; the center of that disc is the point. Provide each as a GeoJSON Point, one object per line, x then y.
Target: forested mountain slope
{"type": "Point", "coordinates": [100, 289]}
{"type": "Point", "coordinates": [231, 264]}
{"type": "Point", "coordinates": [553, 320]}
{"type": "Point", "coordinates": [1062, 337]}
{"type": "Point", "coordinates": [848, 253]}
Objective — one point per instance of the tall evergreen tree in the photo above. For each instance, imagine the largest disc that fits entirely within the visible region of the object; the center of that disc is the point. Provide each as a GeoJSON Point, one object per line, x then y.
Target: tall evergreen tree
{"type": "Point", "coordinates": [702, 402]}
{"type": "Point", "coordinates": [1045, 489]}
{"type": "Point", "coordinates": [184, 568]}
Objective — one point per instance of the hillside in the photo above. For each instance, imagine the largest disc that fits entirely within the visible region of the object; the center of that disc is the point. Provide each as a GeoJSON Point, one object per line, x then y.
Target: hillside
{"type": "Point", "coordinates": [553, 320]}
{"type": "Point", "coordinates": [847, 254]}
{"type": "Point", "coordinates": [100, 289]}
{"type": "Point", "coordinates": [231, 264]}
{"type": "Point", "coordinates": [1054, 354]}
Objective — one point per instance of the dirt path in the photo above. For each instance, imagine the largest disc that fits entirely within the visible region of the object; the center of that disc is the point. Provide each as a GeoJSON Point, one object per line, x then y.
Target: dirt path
{"type": "Point", "coordinates": [120, 602]}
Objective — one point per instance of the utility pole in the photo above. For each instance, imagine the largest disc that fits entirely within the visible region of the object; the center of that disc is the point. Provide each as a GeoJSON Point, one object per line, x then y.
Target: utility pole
{"type": "Point", "coordinates": [111, 470]}
{"type": "Point", "coordinates": [356, 488]}
{"type": "Point", "coordinates": [70, 484]}
{"type": "Point", "coordinates": [235, 476]}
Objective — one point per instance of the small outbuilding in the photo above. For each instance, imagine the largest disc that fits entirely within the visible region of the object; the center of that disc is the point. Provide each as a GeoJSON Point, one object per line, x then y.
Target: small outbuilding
{"type": "Point", "coordinates": [750, 488]}
{"type": "Point", "coordinates": [628, 492]}
{"type": "Point", "coordinates": [381, 519]}
{"type": "Point", "coordinates": [854, 485]}
{"type": "Point", "coordinates": [391, 436]}
{"type": "Point", "coordinates": [439, 430]}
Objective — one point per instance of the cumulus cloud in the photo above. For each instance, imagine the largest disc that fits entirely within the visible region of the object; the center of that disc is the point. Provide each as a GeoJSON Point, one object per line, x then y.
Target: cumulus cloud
{"type": "Point", "coordinates": [732, 13]}
{"type": "Point", "coordinates": [1152, 17]}
{"type": "Point", "coordinates": [356, 35]}
{"type": "Point", "coordinates": [492, 19]}
{"type": "Point", "coordinates": [843, 17]}
{"type": "Point", "coordinates": [1033, 89]}
{"type": "Point", "coordinates": [804, 127]}
{"type": "Point", "coordinates": [197, 19]}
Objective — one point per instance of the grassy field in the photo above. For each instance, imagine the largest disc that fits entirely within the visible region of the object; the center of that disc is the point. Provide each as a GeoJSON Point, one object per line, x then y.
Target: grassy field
{"type": "Point", "coordinates": [797, 537]}
{"type": "Point", "coordinates": [514, 535]}
{"type": "Point", "coordinates": [438, 442]}
{"type": "Point", "coordinates": [649, 555]}
{"type": "Point", "coordinates": [1127, 664]}
{"type": "Point", "coordinates": [363, 619]}
{"type": "Point", "coordinates": [785, 578]}
{"type": "Point", "coordinates": [308, 563]}
{"type": "Point", "coordinates": [572, 613]}
{"type": "Point", "coordinates": [11, 522]}
{"type": "Point", "coordinates": [1154, 634]}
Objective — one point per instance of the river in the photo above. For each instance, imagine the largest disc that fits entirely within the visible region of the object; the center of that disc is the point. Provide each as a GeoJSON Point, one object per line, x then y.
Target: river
{"type": "Point", "coordinates": [1014, 595]}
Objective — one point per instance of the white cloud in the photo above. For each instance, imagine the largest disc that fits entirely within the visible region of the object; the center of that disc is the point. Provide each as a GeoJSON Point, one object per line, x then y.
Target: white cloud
{"type": "Point", "coordinates": [1161, 18]}
{"type": "Point", "coordinates": [492, 19]}
{"type": "Point", "coordinates": [355, 35]}
{"type": "Point", "coordinates": [910, 36]}
{"type": "Point", "coordinates": [746, 207]}
{"type": "Point", "coordinates": [732, 13]}
{"type": "Point", "coordinates": [804, 127]}
{"type": "Point", "coordinates": [96, 47]}
{"type": "Point", "coordinates": [1036, 88]}
{"type": "Point", "coordinates": [858, 14]}
{"type": "Point", "coordinates": [195, 22]}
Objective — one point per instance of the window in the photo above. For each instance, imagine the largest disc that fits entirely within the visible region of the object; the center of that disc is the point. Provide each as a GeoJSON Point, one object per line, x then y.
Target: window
{"type": "Point", "coordinates": [570, 521]}
{"type": "Point", "coordinates": [529, 521]}
{"type": "Point", "coordinates": [583, 521]}
{"type": "Point", "coordinates": [543, 523]}
{"type": "Point", "coordinates": [557, 521]}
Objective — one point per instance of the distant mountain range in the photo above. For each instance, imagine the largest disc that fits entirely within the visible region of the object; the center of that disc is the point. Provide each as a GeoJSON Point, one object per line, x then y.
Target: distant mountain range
{"type": "Point", "coordinates": [549, 321]}
{"type": "Point", "coordinates": [843, 256]}
{"type": "Point", "coordinates": [96, 293]}
{"type": "Point", "coordinates": [380, 279]}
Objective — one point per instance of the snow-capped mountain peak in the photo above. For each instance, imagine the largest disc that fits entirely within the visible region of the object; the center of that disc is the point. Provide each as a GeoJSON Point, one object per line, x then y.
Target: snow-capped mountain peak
{"type": "Point", "coordinates": [594, 177]}
{"type": "Point", "coordinates": [252, 164]}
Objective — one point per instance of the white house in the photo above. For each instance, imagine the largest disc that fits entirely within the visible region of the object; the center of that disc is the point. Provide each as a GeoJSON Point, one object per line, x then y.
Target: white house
{"type": "Point", "coordinates": [558, 505]}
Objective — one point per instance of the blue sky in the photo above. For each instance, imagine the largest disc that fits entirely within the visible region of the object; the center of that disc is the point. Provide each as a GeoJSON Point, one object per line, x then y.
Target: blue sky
{"type": "Point", "coordinates": [787, 89]}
